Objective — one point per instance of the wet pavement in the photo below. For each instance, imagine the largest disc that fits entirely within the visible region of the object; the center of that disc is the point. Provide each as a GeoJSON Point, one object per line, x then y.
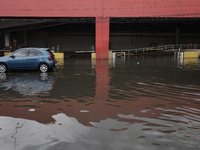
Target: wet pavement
{"type": "Point", "coordinates": [132, 103]}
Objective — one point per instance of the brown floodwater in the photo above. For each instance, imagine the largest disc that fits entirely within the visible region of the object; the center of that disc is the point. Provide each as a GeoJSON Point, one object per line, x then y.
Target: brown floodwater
{"type": "Point", "coordinates": [131, 103]}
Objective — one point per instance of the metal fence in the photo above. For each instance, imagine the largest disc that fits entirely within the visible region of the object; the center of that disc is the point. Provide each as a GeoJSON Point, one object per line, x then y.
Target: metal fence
{"type": "Point", "coordinates": [161, 48]}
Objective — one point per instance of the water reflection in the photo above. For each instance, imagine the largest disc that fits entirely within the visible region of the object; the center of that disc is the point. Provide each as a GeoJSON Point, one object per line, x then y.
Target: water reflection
{"type": "Point", "coordinates": [141, 103]}
{"type": "Point", "coordinates": [191, 64]}
{"type": "Point", "coordinates": [102, 80]}
{"type": "Point", "coordinates": [27, 84]}
{"type": "Point", "coordinates": [3, 77]}
{"type": "Point", "coordinates": [188, 63]}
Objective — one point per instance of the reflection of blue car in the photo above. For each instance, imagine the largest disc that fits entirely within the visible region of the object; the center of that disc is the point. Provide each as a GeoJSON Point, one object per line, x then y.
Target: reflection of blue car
{"type": "Point", "coordinates": [28, 58]}
{"type": "Point", "coordinates": [27, 84]}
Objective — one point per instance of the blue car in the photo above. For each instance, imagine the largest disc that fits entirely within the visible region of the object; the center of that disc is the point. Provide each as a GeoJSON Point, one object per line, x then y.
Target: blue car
{"type": "Point", "coordinates": [29, 58]}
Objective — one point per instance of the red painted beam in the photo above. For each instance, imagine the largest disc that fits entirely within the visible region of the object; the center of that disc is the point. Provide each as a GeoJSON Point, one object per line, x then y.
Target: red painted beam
{"type": "Point", "coordinates": [151, 8]}
{"type": "Point", "coordinates": [102, 38]}
{"type": "Point", "coordinates": [99, 8]}
{"type": "Point", "coordinates": [50, 8]}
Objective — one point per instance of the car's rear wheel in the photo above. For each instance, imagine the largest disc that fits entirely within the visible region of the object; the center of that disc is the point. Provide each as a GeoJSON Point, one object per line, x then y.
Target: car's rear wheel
{"type": "Point", "coordinates": [3, 68]}
{"type": "Point", "coordinates": [43, 68]}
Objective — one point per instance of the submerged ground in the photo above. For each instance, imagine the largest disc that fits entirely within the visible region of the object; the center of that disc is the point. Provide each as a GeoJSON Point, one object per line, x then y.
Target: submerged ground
{"type": "Point", "coordinates": [136, 103]}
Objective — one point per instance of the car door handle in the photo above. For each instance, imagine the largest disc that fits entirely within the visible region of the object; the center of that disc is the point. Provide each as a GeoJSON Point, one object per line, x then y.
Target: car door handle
{"type": "Point", "coordinates": [23, 58]}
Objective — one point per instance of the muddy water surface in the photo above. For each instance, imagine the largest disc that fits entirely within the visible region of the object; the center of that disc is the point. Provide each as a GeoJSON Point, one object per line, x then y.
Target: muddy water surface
{"type": "Point", "coordinates": [132, 103]}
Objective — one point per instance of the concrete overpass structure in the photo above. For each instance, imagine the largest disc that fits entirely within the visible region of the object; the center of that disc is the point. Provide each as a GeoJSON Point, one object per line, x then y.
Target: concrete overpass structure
{"type": "Point", "coordinates": [104, 14]}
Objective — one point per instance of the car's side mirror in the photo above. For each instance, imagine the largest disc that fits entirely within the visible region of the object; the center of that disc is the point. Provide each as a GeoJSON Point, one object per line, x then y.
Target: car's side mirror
{"type": "Point", "coordinates": [12, 56]}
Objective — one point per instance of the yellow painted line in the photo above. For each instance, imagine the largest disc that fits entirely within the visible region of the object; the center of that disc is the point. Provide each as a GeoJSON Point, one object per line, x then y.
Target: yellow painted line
{"type": "Point", "coordinates": [69, 56]}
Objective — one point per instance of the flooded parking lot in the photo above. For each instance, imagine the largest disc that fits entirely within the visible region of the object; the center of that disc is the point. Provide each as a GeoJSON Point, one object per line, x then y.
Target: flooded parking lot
{"type": "Point", "coordinates": [132, 103]}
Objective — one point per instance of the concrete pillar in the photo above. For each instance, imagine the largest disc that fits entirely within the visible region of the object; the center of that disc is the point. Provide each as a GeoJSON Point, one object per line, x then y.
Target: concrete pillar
{"type": "Point", "coordinates": [7, 40]}
{"type": "Point", "coordinates": [25, 37]}
{"type": "Point", "coordinates": [134, 41]}
{"type": "Point", "coordinates": [102, 38]}
{"type": "Point", "coordinates": [177, 36]}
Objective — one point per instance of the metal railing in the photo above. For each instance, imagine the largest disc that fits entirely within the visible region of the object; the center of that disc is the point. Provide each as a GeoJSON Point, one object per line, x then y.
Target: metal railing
{"type": "Point", "coordinates": [160, 48]}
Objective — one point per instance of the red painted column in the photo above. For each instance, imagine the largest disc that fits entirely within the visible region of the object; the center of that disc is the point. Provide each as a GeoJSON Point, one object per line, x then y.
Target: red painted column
{"type": "Point", "coordinates": [102, 38]}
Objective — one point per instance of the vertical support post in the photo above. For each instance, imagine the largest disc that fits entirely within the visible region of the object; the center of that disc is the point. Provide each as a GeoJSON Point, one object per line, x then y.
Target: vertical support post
{"type": "Point", "coordinates": [133, 41]}
{"type": "Point", "coordinates": [177, 36]}
{"type": "Point", "coordinates": [7, 40]}
{"type": "Point", "coordinates": [25, 33]}
{"type": "Point", "coordinates": [102, 37]}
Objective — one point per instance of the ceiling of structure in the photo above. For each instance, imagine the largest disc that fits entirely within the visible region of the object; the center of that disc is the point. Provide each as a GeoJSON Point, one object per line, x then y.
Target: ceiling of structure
{"type": "Point", "coordinates": [87, 24]}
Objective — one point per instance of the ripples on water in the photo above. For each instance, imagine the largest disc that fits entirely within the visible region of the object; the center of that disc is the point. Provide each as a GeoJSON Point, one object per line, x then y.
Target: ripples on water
{"type": "Point", "coordinates": [140, 103]}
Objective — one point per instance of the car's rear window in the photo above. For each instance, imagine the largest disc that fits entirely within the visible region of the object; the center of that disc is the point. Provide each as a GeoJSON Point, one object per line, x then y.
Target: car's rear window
{"type": "Point", "coordinates": [49, 52]}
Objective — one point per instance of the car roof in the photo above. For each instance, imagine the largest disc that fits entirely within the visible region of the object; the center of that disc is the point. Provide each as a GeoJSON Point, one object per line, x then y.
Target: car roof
{"type": "Point", "coordinates": [42, 49]}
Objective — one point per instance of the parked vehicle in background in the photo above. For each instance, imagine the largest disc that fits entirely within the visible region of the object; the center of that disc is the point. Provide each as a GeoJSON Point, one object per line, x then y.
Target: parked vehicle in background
{"type": "Point", "coordinates": [29, 58]}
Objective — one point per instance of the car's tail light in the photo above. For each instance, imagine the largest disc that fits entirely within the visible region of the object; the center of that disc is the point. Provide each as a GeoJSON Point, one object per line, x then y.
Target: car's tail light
{"type": "Point", "coordinates": [50, 58]}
